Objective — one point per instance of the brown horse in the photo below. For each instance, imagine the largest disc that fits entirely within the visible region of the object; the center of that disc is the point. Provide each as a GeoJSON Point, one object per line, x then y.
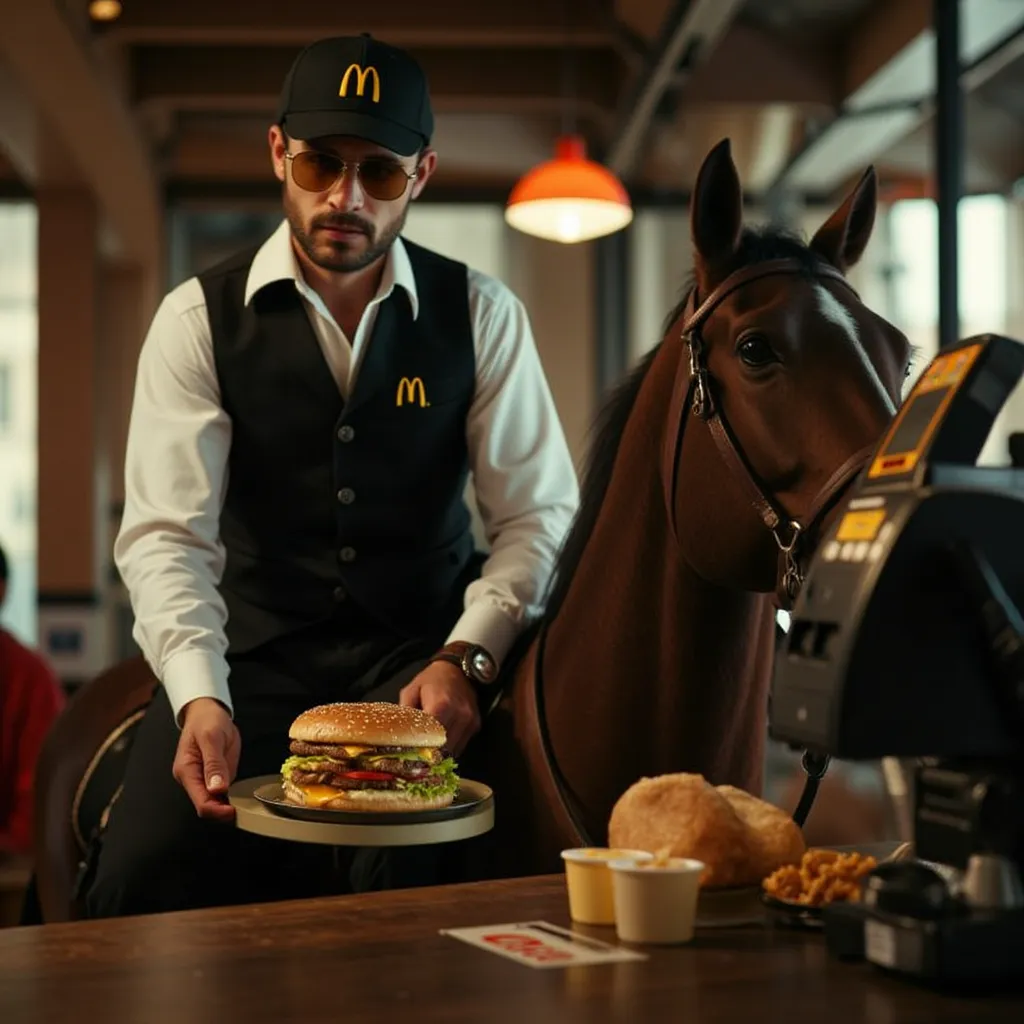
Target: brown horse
{"type": "Point", "coordinates": [655, 650]}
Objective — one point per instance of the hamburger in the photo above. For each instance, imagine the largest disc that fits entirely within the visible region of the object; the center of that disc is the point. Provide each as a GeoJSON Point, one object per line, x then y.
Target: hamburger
{"type": "Point", "coordinates": [368, 757]}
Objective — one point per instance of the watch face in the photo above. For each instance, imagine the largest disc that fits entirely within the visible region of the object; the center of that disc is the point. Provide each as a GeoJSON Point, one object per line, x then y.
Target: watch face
{"type": "Point", "coordinates": [482, 666]}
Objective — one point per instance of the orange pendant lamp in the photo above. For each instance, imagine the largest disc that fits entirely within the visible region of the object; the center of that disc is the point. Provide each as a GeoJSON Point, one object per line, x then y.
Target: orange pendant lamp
{"type": "Point", "coordinates": [569, 199]}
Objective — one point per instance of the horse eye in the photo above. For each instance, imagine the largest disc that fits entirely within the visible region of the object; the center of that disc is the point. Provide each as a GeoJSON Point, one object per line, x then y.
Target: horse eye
{"type": "Point", "coordinates": [755, 351]}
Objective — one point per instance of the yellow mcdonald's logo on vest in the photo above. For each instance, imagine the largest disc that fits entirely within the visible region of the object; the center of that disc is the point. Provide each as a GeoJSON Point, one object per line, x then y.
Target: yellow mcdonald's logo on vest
{"type": "Point", "coordinates": [361, 75]}
{"type": "Point", "coordinates": [410, 388]}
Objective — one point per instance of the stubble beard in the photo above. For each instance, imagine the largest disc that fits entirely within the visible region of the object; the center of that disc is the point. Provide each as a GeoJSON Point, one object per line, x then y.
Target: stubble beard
{"type": "Point", "coordinates": [335, 258]}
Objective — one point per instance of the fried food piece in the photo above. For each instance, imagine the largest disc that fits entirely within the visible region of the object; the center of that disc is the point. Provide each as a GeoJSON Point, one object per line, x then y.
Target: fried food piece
{"type": "Point", "coordinates": [738, 837]}
{"type": "Point", "coordinates": [773, 837]}
{"type": "Point", "coordinates": [823, 876]}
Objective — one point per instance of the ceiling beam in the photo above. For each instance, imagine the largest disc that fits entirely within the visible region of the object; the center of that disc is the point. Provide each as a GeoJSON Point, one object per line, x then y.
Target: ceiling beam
{"type": "Point", "coordinates": [469, 146]}
{"type": "Point", "coordinates": [19, 128]}
{"type": "Point", "coordinates": [751, 66]}
{"type": "Point", "coordinates": [406, 23]}
{"type": "Point", "coordinates": [194, 193]}
{"type": "Point", "coordinates": [988, 65]}
{"type": "Point", "coordinates": [889, 84]}
{"type": "Point", "coordinates": [689, 35]}
{"type": "Point", "coordinates": [79, 109]}
{"type": "Point", "coordinates": [209, 77]}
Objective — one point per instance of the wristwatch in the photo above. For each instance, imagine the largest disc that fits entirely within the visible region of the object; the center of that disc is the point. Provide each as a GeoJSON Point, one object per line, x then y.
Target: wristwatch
{"type": "Point", "coordinates": [476, 662]}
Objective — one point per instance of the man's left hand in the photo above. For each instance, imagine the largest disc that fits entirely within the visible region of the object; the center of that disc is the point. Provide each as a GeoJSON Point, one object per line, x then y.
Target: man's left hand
{"type": "Point", "coordinates": [444, 692]}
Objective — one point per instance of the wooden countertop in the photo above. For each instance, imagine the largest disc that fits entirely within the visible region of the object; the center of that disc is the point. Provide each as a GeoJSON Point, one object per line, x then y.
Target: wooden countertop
{"type": "Point", "coordinates": [379, 958]}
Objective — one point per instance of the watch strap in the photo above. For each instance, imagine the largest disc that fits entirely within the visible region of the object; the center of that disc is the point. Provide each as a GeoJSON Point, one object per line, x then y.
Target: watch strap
{"type": "Point", "coordinates": [456, 653]}
{"type": "Point", "coordinates": [449, 656]}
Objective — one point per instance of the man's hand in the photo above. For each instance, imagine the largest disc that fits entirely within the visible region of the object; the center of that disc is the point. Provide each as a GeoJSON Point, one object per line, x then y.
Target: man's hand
{"type": "Point", "coordinates": [207, 757]}
{"type": "Point", "coordinates": [444, 692]}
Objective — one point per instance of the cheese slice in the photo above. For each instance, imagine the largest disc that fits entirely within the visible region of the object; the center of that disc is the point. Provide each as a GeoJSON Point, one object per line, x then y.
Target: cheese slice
{"type": "Point", "coordinates": [354, 750]}
{"type": "Point", "coordinates": [317, 796]}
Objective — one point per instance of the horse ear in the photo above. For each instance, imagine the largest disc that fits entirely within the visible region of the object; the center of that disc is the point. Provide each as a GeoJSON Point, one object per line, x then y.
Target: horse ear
{"type": "Point", "coordinates": [716, 211]}
{"type": "Point", "coordinates": [843, 238]}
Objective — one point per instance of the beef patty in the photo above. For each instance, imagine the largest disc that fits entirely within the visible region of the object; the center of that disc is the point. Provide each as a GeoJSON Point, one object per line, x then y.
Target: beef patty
{"type": "Point", "coordinates": [304, 778]}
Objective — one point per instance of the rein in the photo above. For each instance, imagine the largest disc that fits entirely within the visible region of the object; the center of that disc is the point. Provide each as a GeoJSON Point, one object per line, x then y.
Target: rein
{"type": "Point", "coordinates": [695, 393]}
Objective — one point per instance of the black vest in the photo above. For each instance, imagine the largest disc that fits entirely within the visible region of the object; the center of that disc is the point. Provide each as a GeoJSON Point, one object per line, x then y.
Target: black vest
{"type": "Point", "coordinates": [330, 502]}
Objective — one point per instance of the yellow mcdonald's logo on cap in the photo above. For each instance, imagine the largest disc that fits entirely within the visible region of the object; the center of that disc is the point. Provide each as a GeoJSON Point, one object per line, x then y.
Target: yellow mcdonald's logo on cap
{"type": "Point", "coordinates": [410, 388]}
{"type": "Point", "coordinates": [361, 75]}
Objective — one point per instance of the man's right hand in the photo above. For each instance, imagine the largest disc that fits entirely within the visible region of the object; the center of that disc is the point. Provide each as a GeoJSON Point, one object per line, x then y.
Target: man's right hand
{"type": "Point", "coordinates": [207, 757]}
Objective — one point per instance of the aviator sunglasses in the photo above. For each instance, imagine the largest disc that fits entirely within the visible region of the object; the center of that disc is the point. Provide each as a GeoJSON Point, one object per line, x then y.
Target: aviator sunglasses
{"type": "Point", "coordinates": [316, 171]}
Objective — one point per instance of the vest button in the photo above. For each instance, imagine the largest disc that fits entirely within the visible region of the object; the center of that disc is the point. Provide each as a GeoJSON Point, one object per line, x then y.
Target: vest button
{"type": "Point", "coordinates": [339, 595]}
{"type": "Point", "coordinates": [347, 554]}
{"type": "Point", "coordinates": [346, 433]}
{"type": "Point", "coordinates": [346, 495]}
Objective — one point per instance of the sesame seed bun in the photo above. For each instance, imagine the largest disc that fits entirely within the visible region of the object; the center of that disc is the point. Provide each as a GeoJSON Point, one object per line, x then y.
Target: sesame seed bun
{"type": "Point", "coordinates": [375, 725]}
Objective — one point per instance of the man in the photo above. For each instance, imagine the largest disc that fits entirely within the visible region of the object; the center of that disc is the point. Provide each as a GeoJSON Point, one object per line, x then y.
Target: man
{"type": "Point", "coordinates": [30, 699]}
{"type": "Point", "coordinates": [294, 532]}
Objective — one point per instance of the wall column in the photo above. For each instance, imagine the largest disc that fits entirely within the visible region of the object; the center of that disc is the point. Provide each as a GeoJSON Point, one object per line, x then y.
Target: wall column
{"type": "Point", "coordinates": [70, 629]}
{"type": "Point", "coordinates": [612, 258]}
{"type": "Point", "coordinates": [124, 311]}
{"type": "Point", "coordinates": [555, 283]}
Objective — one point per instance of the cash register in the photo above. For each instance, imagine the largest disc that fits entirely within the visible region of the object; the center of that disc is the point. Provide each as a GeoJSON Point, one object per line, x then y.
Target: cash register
{"type": "Point", "coordinates": [907, 641]}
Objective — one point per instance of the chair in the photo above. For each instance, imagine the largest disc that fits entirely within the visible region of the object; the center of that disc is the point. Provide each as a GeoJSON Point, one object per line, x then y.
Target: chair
{"type": "Point", "coordinates": [78, 777]}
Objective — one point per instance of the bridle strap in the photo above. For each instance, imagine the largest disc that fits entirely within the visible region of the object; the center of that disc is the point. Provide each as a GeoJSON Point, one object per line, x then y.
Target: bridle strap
{"type": "Point", "coordinates": [836, 484]}
{"type": "Point", "coordinates": [742, 472]}
{"type": "Point", "coordinates": [743, 276]}
{"type": "Point", "coordinates": [790, 575]}
{"type": "Point", "coordinates": [696, 393]}
{"type": "Point", "coordinates": [680, 403]}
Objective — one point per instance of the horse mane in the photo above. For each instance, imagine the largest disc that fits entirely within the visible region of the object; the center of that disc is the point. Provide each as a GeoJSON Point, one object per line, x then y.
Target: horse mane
{"type": "Point", "coordinates": [757, 244]}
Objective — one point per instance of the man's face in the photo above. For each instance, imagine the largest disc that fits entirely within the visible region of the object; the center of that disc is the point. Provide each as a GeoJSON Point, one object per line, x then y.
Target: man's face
{"type": "Point", "coordinates": [343, 228]}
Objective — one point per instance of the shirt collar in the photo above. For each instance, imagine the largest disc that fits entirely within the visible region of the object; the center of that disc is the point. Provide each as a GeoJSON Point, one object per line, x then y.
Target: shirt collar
{"type": "Point", "coordinates": [276, 261]}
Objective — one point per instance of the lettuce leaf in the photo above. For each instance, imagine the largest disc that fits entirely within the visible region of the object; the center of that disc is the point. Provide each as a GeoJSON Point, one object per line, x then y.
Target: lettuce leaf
{"type": "Point", "coordinates": [449, 781]}
{"type": "Point", "coordinates": [398, 755]}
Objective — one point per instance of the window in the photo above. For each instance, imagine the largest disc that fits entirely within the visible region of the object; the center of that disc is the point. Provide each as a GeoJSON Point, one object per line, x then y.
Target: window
{"type": "Point", "coordinates": [18, 459]}
{"type": "Point", "coordinates": [989, 235]}
{"type": "Point", "coordinates": [5, 398]}
{"type": "Point", "coordinates": [23, 505]}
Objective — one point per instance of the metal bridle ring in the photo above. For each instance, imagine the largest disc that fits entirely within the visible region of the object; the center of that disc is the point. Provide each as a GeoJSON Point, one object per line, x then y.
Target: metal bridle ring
{"type": "Point", "coordinates": [815, 765]}
{"type": "Point", "coordinates": [794, 539]}
{"type": "Point", "coordinates": [792, 578]}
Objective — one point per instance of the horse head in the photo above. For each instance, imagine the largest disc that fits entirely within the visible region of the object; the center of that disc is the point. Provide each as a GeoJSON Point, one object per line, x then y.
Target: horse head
{"type": "Point", "coordinates": [793, 377]}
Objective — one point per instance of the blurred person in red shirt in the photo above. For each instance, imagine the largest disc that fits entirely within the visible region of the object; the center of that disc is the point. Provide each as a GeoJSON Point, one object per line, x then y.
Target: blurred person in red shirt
{"type": "Point", "coordinates": [30, 699]}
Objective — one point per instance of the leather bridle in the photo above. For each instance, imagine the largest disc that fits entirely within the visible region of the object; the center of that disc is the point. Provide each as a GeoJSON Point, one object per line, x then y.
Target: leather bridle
{"type": "Point", "coordinates": [695, 393]}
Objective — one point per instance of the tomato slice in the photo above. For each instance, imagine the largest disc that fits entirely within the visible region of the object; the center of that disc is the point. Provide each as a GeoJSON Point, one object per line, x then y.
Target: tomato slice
{"type": "Point", "coordinates": [369, 776]}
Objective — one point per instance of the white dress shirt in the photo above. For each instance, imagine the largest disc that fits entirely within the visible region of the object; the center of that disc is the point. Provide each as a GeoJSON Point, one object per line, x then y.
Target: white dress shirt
{"type": "Point", "coordinates": [168, 549]}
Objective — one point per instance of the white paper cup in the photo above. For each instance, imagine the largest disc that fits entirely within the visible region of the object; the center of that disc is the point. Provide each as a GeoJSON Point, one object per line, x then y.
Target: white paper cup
{"type": "Point", "coordinates": [589, 881]}
{"type": "Point", "coordinates": [655, 904]}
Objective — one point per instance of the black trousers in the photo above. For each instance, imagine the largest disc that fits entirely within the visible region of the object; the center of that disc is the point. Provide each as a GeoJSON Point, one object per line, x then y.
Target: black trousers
{"type": "Point", "coordinates": [158, 855]}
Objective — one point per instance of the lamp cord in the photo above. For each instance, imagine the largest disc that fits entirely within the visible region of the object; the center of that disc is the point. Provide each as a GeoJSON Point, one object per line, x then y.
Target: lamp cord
{"type": "Point", "coordinates": [568, 73]}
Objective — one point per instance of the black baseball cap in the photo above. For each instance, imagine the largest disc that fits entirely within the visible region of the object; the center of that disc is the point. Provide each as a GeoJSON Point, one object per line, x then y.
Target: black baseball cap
{"type": "Point", "coordinates": [357, 85]}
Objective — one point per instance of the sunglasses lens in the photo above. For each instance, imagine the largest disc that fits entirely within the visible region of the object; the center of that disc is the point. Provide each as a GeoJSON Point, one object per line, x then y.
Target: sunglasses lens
{"type": "Point", "coordinates": [383, 179]}
{"type": "Point", "coordinates": [315, 172]}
